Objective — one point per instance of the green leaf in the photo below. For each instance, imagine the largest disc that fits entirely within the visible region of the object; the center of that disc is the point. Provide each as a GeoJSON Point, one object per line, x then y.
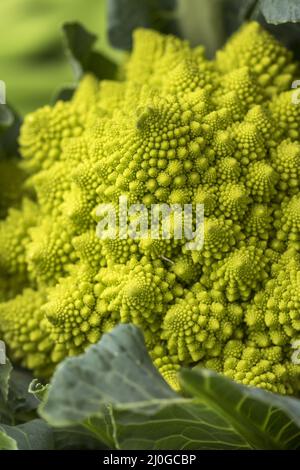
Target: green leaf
{"type": "Point", "coordinates": [79, 46]}
{"type": "Point", "coordinates": [7, 442]}
{"type": "Point", "coordinates": [116, 371]}
{"type": "Point", "coordinates": [277, 11]}
{"type": "Point", "coordinates": [179, 424]}
{"type": "Point", "coordinates": [20, 400]}
{"type": "Point", "coordinates": [63, 94]}
{"type": "Point", "coordinates": [34, 435]}
{"type": "Point", "coordinates": [16, 404]}
{"type": "Point", "coordinates": [10, 124]}
{"type": "Point", "coordinates": [114, 391]}
{"type": "Point", "coordinates": [126, 15]}
{"type": "Point", "coordinates": [265, 420]}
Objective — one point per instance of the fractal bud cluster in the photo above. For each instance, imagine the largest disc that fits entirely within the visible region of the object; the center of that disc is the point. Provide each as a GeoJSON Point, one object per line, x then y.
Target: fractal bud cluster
{"type": "Point", "coordinates": [175, 128]}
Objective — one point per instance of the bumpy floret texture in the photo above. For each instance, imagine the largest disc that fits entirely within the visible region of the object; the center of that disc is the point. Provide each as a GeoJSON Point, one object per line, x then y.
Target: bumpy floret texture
{"type": "Point", "coordinates": [24, 329]}
{"type": "Point", "coordinates": [176, 130]}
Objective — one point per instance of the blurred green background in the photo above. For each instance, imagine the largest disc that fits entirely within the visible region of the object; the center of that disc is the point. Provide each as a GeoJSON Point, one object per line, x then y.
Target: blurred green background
{"type": "Point", "coordinates": [32, 59]}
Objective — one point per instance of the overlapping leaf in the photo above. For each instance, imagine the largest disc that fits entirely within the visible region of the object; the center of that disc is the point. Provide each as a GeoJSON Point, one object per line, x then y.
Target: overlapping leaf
{"type": "Point", "coordinates": [115, 391]}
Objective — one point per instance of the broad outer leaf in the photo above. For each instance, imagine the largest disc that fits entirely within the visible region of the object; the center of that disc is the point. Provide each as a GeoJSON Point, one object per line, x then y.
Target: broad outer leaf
{"type": "Point", "coordinates": [179, 424]}
{"type": "Point", "coordinates": [265, 420]}
{"type": "Point", "coordinates": [114, 390]}
{"type": "Point", "coordinates": [279, 11]}
{"type": "Point", "coordinates": [116, 371]}
{"type": "Point", "coordinates": [79, 45]}
{"type": "Point", "coordinates": [33, 435]}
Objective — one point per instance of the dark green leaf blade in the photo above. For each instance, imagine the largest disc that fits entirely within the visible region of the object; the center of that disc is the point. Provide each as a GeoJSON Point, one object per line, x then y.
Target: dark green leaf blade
{"type": "Point", "coordinates": [20, 400]}
{"type": "Point", "coordinates": [79, 47]}
{"type": "Point", "coordinates": [63, 94]}
{"type": "Point", "coordinates": [126, 15]}
{"type": "Point", "coordinates": [16, 404]}
{"type": "Point", "coordinates": [79, 40]}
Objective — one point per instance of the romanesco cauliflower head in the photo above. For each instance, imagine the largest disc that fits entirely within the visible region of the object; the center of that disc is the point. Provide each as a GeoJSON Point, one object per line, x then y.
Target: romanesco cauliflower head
{"type": "Point", "coordinates": [177, 129]}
